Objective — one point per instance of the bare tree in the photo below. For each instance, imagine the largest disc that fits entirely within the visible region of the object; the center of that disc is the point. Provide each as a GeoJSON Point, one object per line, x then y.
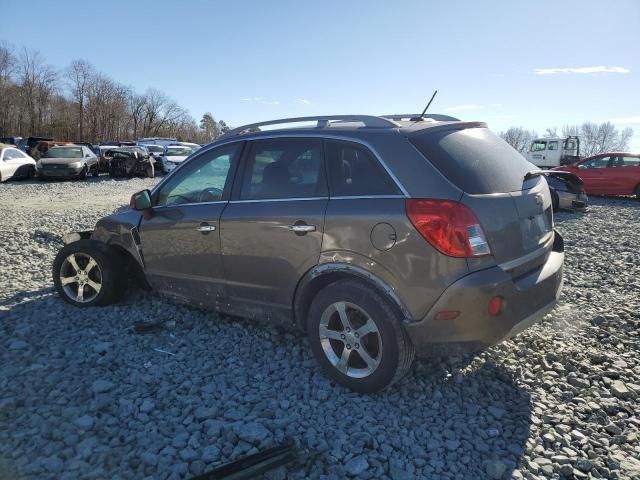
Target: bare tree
{"type": "Point", "coordinates": [79, 74]}
{"type": "Point", "coordinates": [598, 138]}
{"type": "Point", "coordinates": [551, 132]}
{"type": "Point", "coordinates": [519, 138]}
{"type": "Point", "coordinates": [7, 69]}
{"type": "Point", "coordinates": [37, 82]}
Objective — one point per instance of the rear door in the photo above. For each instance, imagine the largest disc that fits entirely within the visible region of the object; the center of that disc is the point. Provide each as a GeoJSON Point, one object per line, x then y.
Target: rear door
{"type": "Point", "coordinates": [624, 175]}
{"type": "Point", "coordinates": [180, 236]}
{"type": "Point", "coordinates": [271, 231]}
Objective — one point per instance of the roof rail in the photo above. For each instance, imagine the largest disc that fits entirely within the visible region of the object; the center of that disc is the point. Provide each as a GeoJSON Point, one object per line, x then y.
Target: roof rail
{"type": "Point", "coordinates": [438, 117]}
{"type": "Point", "coordinates": [322, 122]}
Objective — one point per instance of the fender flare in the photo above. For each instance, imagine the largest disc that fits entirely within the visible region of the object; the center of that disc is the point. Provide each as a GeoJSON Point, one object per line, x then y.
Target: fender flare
{"type": "Point", "coordinates": [304, 294]}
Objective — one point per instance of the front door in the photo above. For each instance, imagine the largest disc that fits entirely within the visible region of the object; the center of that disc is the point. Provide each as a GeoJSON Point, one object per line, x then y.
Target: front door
{"type": "Point", "coordinates": [272, 229]}
{"type": "Point", "coordinates": [180, 236]}
{"type": "Point", "coordinates": [592, 172]}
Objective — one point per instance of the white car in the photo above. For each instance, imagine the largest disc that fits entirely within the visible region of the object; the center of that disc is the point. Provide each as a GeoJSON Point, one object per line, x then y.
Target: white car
{"type": "Point", "coordinates": [15, 163]}
{"type": "Point", "coordinates": [174, 155]}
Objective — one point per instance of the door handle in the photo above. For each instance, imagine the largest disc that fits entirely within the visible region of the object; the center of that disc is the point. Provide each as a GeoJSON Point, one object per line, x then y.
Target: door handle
{"type": "Point", "coordinates": [302, 228]}
{"type": "Point", "coordinates": [205, 228]}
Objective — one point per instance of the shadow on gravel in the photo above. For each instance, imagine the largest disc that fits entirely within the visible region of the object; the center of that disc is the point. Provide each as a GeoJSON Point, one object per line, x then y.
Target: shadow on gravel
{"type": "Point", "coordinates": [82, 392]}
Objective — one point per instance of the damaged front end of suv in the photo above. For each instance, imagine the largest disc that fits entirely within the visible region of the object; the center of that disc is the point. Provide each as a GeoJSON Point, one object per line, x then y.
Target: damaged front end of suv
{"type": "Point", "coordinates": [130, 162]}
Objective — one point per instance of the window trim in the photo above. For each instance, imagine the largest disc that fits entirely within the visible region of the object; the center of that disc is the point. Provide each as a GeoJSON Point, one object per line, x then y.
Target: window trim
{"type": "Point", "coordinates": [230, 181]}
{"type": "Point", "coordinates": [244, 165]}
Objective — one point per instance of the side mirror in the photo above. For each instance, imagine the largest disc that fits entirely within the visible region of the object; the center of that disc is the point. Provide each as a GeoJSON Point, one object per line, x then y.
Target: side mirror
{"type": "Point", "coordinates": [141, 200]}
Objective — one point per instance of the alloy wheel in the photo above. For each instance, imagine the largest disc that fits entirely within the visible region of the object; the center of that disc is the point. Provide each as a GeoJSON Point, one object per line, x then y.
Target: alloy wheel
{"type": "Point", "coordinates": [81, 277]}
{"type": "Point", "coordinates": [350, 339]}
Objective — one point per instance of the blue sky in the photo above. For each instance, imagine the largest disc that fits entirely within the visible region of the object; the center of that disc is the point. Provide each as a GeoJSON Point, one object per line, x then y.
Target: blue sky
{"type": "Point", "coordinates": [526, 63]}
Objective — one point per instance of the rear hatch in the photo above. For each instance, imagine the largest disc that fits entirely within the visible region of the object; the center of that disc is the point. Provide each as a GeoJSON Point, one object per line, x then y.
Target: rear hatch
{"type": "Point", "coordinates": [514, 210]}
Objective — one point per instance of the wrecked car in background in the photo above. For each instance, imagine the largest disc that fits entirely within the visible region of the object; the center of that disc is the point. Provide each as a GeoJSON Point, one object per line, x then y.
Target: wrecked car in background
{"type": "Point", "coordinates": [567, 190]}
{"type": "Point", "coordinates": [129, 162]}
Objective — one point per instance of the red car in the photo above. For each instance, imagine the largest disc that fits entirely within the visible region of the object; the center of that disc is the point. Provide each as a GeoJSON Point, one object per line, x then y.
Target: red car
{"type": "Point", "coordinates": [615, 173]}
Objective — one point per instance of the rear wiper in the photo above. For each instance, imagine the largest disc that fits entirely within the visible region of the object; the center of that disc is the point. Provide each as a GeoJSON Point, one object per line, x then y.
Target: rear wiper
{"type": "Point", "coordinates": [533, 173]}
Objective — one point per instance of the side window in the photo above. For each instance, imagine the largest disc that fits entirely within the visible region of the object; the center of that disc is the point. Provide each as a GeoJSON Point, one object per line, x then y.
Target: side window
{"type": "Point", "coordinates": [600, 162]}
{"type": "Point", "coordinates": [631, 162]}
{"type": "Point", "coordinates": [8, 155]}
{"type": "Point", "coordinates": [553, 145]}
{"type": "Point", "coordinates": [284, 168]}
{"type": "Point", "coordinates": [354, 171]}
{"type": "Point", "coordinates": [201, 180]}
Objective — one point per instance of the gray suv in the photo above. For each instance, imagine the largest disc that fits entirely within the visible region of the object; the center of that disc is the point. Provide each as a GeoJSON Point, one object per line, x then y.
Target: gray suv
{"type": "Point", "coordinates": [378, 236]}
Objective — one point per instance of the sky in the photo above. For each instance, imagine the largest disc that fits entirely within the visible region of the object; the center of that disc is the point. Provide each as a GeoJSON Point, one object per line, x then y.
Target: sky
{"type": "Point", "coordinates": [534, 64]}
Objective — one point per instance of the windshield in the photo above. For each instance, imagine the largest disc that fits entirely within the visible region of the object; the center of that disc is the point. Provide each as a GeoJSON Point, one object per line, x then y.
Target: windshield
{"type": "Point", "coordinates": [178, 151]}
{"type": "Point", "coordinates": [538, 146]}
{"type": "Point", "coordinates": [64, 152]}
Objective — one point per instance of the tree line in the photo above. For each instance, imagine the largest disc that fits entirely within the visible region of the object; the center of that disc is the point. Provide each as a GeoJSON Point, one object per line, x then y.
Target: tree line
{"type": "Point", "coordinates": [79, 103]}
{"type": "Point", "coordinates": [594, 137]}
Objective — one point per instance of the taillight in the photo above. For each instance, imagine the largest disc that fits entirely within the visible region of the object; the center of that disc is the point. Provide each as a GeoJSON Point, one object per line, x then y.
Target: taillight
{"type": "Point", "coordinates": [448, 226]}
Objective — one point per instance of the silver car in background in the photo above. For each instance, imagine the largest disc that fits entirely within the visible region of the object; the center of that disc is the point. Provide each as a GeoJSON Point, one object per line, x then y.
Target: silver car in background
{"type": "Point", "coordinates": [67, 161]}
{"type": "Point", "coordinates": [174, 155]}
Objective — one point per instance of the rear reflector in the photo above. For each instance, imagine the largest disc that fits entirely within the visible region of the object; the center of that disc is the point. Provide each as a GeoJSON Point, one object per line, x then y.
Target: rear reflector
{"type": "Point", "coordinates": [448, 226]}
{"type": "Point", "coordinates": [446, 315]}
{"type": "Point", "coordinates": [495, 306]}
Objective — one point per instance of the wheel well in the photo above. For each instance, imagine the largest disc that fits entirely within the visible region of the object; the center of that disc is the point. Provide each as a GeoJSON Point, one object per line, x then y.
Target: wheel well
{"type": "Point", "coordinates": [131, 267]}
{"type": "Point", "coordinates": [304, 298]}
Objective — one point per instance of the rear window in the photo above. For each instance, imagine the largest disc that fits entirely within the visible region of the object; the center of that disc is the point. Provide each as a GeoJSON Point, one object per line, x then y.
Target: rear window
{"type": "Point", "coordinates": [475, 159]}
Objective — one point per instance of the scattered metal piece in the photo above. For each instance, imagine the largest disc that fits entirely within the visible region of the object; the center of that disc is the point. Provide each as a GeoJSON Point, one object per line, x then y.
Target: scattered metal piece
{"type": "Point", "coordinates": [144, 327]}
{"type": "Point", "coordinates": [254, 465]}
{"type": "Point", "coordinates": [159, 350]}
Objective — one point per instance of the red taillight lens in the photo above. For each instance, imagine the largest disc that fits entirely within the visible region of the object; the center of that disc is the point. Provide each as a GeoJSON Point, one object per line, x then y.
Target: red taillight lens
{"type": "Point", "coordinates": [448, 226]}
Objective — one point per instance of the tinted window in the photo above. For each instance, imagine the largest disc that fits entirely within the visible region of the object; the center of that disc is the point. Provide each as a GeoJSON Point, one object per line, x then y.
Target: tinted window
{"type": "Point", "coordinates": [474, 159]}
{"type": "Point", "coordinates": [631, 161]}
{"type": "Point", "coordinates": [538, 146]}
{"type": "Point", "coordinates": [201, 180]}
{"type": "Point", "coordinates": [553, 145]}
{"type": "Point", "coordinates": [284, 168]}
{"type": "Point", "coordinates": [354, 171]}
{"type": "Point", "coordinates": [599, 162]}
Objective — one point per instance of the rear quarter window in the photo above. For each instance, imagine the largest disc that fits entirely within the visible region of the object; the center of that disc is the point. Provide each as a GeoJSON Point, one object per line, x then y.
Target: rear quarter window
{"type": "Point", "coordinates": [474, 159]}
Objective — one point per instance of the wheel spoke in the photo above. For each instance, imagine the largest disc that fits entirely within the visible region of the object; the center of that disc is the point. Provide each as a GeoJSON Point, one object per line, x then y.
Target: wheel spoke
{"type": "Point", "coordinates": [343, 363]}
{"type": "Point", "coordinates": [92, 263]}
{"type": "Point", "coordinates": [67, 280]}
{"type": "Point", "coordinates": [80, 296]}
{"type": "Point", "coordinates": [72, 260]}
{"type": "Point", "coordinates": [371, 362]}
{"type": "Point", "coordinates": [344, 318]}
{"type": "Point", "coordinates": [326, 332]}
{"type": "Point", "coordinates": [367, 328]}
{"type": "Point", "coordinates": [94, 285]}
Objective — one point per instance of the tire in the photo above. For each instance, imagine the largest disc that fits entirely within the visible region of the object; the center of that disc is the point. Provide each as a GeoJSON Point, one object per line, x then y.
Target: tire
{"type": "Point", "coordinates": [555, 201]}
{"type": "Point", "coordinates": [105, 274]}
{"type": "Point", "coordinates": [83, 175]}
{"type": "Point", "coordinates": [638, 192]}
{"type": "Point", "coordinates": [96, 171]}
{"type": "Point", "coordinates": [150, 171]}
{"type": "Point", "coordinates": [31, 172]}
{"type": "Point", "coordinates": [388, 347]}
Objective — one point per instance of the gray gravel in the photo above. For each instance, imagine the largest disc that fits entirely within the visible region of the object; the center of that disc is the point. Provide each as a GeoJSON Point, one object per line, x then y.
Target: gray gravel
{"type": "Point", "coordinates": [85, 397]}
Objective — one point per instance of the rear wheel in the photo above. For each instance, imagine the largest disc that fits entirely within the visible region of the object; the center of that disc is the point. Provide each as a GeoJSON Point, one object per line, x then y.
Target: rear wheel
{"type": "Point", "coordinates": [87, 273]}
{"type": "Point", "coordinates": [357, 337]}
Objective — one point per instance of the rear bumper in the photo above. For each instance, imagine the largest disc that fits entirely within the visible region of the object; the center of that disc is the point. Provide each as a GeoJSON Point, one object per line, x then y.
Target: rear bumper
{"type": "Point", "coordinates": [527, 299]}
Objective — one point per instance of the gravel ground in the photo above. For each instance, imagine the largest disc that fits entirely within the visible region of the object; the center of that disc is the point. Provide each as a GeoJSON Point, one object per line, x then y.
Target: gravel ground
{"type": "Point", "coordinates": [83, 396]}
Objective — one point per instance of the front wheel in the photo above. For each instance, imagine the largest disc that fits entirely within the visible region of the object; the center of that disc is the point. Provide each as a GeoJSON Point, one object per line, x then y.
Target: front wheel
{"type": "Point", "coordinates": [150, 171]}
{"type": "Point", "coordinates": [87, 273]}
{"type": "Point", "coordinates": [555, 201]}
{"type": "Point", "coordinates": [357, 337]}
